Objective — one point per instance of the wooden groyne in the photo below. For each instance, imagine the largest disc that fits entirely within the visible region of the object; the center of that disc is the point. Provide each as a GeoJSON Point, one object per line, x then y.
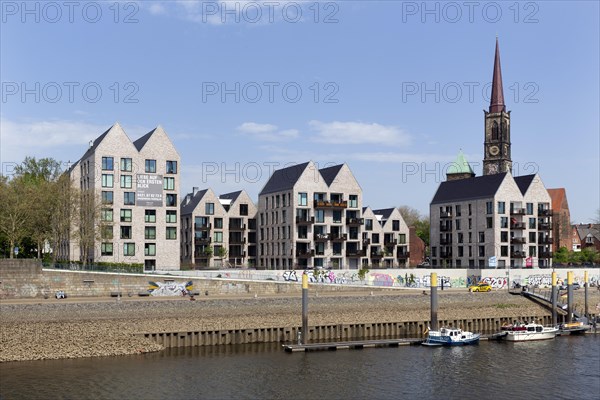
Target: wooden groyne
{"type": "Point", "coordinates": [327, 333]}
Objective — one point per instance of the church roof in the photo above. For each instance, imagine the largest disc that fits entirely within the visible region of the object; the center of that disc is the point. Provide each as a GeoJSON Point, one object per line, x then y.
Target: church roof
{"type": "Point", "coordinates": [468, 189]}
{"type": "Point", "coordinates": [460, 165]}
{"type": "Point", "coordinates": [497, 98]}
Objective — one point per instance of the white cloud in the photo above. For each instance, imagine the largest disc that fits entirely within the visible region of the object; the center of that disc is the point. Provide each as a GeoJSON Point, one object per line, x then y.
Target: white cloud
{"type": "Point", "coordinates": [358, 133]}
{"type": "Point", "coordinates": [266, 132]}
{"type": "Point", "coordinates": [157, 9]}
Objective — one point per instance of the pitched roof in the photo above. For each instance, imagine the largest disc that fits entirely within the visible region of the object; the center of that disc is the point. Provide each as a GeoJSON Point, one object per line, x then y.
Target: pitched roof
{"type": "Point", "coordinates": [558, 197]}
{"type": "Point", "coordinates": [460, 165]}
{"type": "Point", "coordinates": [467, 189]}
{"type": "Point", "coordinates": [523, 182]}
{"type": "Point", "coordinates": [330, 173]}
{"type": "Point", "coordinates": [584, 230]}
{"type": "Point", "coordinates": [97, 141]}
{"type": "Point", "coordinates": [284, 179]}
{"type": "Point", "coordinates": [139, 144]}
{"type": "Point", "coordinates": [384, 212]}
{"type": "Point", "coordinates": [231, 196]}
{"type": "Point", "coordinates": [193, 203]}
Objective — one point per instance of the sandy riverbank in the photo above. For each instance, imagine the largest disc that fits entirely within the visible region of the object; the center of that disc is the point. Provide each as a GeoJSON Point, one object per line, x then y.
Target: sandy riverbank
{"type": "Point", "coordinates": [50, 329]}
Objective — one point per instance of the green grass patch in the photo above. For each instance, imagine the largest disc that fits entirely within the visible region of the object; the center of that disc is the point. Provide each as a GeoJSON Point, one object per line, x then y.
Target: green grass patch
{"type": "Point", "coordinates": [503, 306]}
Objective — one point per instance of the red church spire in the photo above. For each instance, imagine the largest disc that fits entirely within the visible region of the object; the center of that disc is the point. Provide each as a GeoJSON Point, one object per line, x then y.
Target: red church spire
{"type": "Point", "coordinates": [497, 98]}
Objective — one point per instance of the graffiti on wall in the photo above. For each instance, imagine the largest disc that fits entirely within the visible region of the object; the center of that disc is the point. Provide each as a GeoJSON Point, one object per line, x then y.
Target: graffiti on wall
{"type": "Point", "coordinates": [495, 282]}
{"type": "Point", "coordinates": [539, 280]}
{"type": "Point", "coordinates": [170, 288]}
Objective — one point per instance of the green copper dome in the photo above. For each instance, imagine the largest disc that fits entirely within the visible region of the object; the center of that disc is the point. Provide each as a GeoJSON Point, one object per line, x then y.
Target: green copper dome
{"type": "Point", "coordinates": [460, 165]}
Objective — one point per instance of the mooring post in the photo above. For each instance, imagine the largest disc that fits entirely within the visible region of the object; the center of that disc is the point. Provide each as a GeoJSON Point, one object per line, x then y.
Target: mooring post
{"type": "Point", "coordinates": [434, 302]}
{"type": "Point", "coordinates": [586, 284]}
{"type": "Point", "coordinates": [304, 307]}
{"type": "Point", "coordinates": [569, 296]}
{"type": "Point", "coordinates": [554, 295]}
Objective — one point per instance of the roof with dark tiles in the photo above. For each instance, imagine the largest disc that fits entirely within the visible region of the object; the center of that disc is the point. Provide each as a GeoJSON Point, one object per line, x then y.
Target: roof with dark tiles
{"type": "Point", "coordinates": [523, 182]}
{"type": "Point", "coordinates": [467, 189]}
{"type": "Point", "coordinates": [330, 173]}
{"type": "Point", "coordinates": [284, 179]}
{"type": "Point", "coordinates": [188, 208]}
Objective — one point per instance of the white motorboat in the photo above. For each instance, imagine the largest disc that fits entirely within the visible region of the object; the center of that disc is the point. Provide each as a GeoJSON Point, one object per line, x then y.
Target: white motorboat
{"type": "Point", "coordinates": [526, 332]}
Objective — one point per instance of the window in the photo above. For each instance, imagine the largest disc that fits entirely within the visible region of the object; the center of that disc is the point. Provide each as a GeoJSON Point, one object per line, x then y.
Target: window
{"type": "Point", "coordinates": [171, 232]}
{"type": "Point", "coordinates": [337, 216]}
{"type": "Point", "coordinates": [171, 200]}
{"type": "Point", "coordinates": [129, 198]}
{"type": "Point", "coordinates": [353, 201]}
{"type": "Point", "coordinates": [458, 224]}
{"type": "Point", "coordinates": [460, 237]}
{"type": "Point", "coordinates": [107, 197]}
{"type": "Point", "coordinates": [481, 237]}
{"type": "Point", "coordinates": [244, 209]}
{"type": "Point", "coordinates": [107, 163]}
{"type": "Point", "coordinates": [126, 181]}
{"type": "Point", "coordinates": [129, 249]}
{"type": "Point", "coordinates": [529, 207]}
{"type": "Point", "coordinates": [504, 222]}
{"type": "Point", "coordinates": [283, 216]}
{"type": "Point", "coordinates": [489, 222]}
{"type": "Point", "coordinates": [458, 210]}
{"type": "Point", "coordinates": [150, 216]}
{"type": "Point", "coordinates": [319, 216]}
{"type": "Point", "coordinates": [218, 223]}
{"type": "Point", "coordinates": [151, 166]}
{"type": "Point", "coordinates": [375, 238]}
{"type": "Point", "coordinates": [106, 215]}
{"type": "Point", "coordinates": [395, 225]}
{"type": "Point", "coordinates": [171, 217]}
{"type": "Point", "coordinates": [531, 237]}
{"type": "Point", "coordinates": [150, 232]}
{"type": "Point", "coordinates": [218, 237]}
{"type": "Point", "coordinates": [168, 183]}
{"type": "Point", "coordinates": [501, 207]}
{"type": "Point", "coordinates": [531, 223]}
{"type": "Point", "coordinates": [460, 251]}
{"type": "Point", "coordinates": [368, 224]}
{"type": "Point", "coordinates": [171, 167]}
{"type": "Point", "coordinates": [481, 251]}
{"type": "Point", "coordinates": [504, 236]}
{"type": "Point", "coordinates": [107, 180]}
{"type": "Point", "coordinates": [209, 208]}
{"type": "Point", "coordinates": [302, 199]}
{"type": "Point", "coordinates": [277, 201]}
{"type": "Point", "coordinates": [126, 232]}
{"type": "Point", "coordinates": [126, 165]}
{"type": "Point", "coordinates": [125, 215]}
{"type": "Point", "coordinates": [150, 249]}
{"type": "Point", "coordinates": [470, 211]}
{"type": "Point", "coordinates": [489, 207]}
{"type": "Point", "coordinates": [532, 252]}
{"type": "Point", "coordinates": [106, 232]}
{"type": "Point", "coordinates": [106, 249]}
{"type": "Point", "coordinates": [402, 238]}
{"type": "Point", "coordinates": [503, 251]}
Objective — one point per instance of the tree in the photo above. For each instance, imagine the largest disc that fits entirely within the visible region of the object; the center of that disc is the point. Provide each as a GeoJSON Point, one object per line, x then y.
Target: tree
{"type": "Point", "coordinates": [413, 217]}
{"type": "Point", "coordinates": [15, 213]}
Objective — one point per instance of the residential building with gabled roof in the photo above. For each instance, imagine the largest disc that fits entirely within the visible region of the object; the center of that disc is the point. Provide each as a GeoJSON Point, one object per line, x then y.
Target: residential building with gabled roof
{"type": "Point", "coordinates": [131, 189]}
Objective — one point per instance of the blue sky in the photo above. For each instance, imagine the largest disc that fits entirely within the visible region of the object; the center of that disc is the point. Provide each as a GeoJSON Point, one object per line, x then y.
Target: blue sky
{"type": "Point", "coordinates": [394, 89]}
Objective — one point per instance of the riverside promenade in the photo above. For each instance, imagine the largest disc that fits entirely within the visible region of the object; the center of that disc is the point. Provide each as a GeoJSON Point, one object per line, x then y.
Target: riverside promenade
{"type": "Point", "coordinates": [35, 329]}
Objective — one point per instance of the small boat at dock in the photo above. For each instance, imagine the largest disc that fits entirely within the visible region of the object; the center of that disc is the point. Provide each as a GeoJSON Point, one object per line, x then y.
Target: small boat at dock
{"type": "Point", "coordinates": [451, 337]}
{"type": "Point", "coordinates": [521, 332]}
{"type": "Point", "coordinates": [577, 327]}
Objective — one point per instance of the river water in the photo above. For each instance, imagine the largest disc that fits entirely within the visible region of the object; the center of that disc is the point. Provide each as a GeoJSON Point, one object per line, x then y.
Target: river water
{"type": "Point", "coordinates": [564, 368]}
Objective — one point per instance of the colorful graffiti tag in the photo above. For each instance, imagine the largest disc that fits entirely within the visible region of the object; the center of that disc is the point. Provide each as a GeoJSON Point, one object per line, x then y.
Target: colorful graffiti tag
{"type": "Point", "coordinates": [170, 288]}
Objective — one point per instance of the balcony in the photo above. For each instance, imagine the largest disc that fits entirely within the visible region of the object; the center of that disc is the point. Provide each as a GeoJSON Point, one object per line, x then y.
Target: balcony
{"type": "Point", "coordinates": [356, 253]}
{"type": "Point", "coordinates": [304, 253]}
{"type": "Point", "coordinates": [305, 221]}
{"type": "Point", "coordinates": [518, 211]}
{"type": "Point", "coordinates": [544, 227]}
{"type": "Point", "coordinates": [445, 228]}
{"type": "Point", "coordinates": [322, 237]}
{"type": "Point", "coordinates": [518, 240]}
{"type": "Point", "coordinates": [202, 240]}
{"type": "Point", "coordinates": [202, 227]}
{"type": "Point", "coordinates": [366, 242]}
{"type": "Point", "coordinates": [402, 255]}
{"type": "Point", "coordinates": [338, 237]}
{"type": "Point", "coordinates": [355, 221]}
{"type": "Point", "coordinates": [234, 255]}
{"type": "Point", "coordinates": [518, 225]}
{"type": "Point", "coordinates": [545, 254]}
{"type": "Point", "coordinates": [546, 241]}
{"type": "Point", "coordinates": [445, 241]}
{"type": "Point", "coordinates": [545, 213]}
{"type": "Point", "coordinates": [517, 254]}
{"type": "Point", "coordinates": [445, 214]}
{"type": "Point", "coordinates": [237, 241]}
{"type": "Point", "coordinates": [390, 242]}
{"type": "Point", "coordinates": [330, 204]}
{"type": "Point", "coordinates": [445, 254]}
{"type": "Point", "coordinates": [237, 227]}
{"type": "Point", "coordinates": [376, 255]}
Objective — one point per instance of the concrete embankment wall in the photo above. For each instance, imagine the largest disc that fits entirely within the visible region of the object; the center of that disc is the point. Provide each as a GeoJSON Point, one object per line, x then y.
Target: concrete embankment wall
{"type": "Point", "coordinates": [27, 279]}
{"type": "Point", "coordinates": [327, 333]}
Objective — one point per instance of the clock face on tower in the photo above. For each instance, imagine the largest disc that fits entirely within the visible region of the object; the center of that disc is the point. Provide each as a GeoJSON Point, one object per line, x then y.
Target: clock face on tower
{"type": "Point", "coordinates": [494, 150]}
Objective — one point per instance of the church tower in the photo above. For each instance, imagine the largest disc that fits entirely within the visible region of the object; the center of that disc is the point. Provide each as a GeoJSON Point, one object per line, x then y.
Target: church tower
{"type": "Point", "coordinates": [496, 157]}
